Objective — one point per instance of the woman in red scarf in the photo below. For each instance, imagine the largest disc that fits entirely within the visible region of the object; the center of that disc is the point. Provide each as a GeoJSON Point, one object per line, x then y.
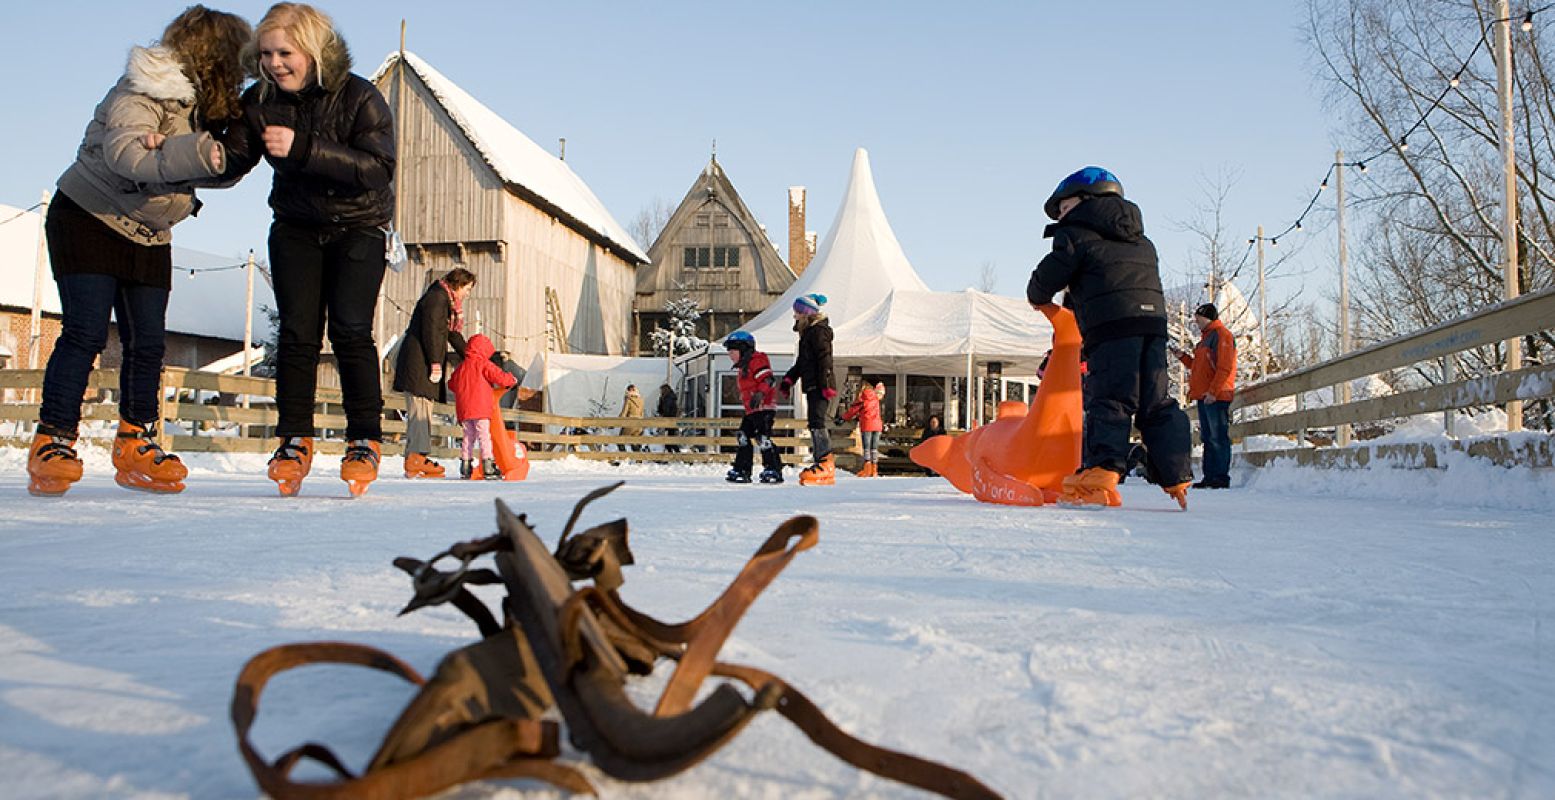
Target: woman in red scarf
{"type": "Point", "coordinates": [435, 330]}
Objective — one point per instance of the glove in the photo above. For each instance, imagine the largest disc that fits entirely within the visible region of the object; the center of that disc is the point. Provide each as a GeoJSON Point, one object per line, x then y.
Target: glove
{"type": "Point", "coordinates": [785, 386]}
{"type": "Point", "coordinates": [829, 394]}
{"type": "Point", "coordinates": [437, 373]}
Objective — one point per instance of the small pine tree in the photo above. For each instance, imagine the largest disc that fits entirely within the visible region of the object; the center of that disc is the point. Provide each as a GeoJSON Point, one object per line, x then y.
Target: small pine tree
{"type": "Point", "coordinates": [684, 314]}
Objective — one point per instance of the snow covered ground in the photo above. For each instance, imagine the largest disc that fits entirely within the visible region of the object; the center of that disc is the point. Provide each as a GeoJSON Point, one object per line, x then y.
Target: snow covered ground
{"type": "Point", "coordinates": [1375, 634]}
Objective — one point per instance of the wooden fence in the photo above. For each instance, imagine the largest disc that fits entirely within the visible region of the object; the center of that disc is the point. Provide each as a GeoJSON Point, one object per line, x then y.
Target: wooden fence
{"type": "Point", "coordinates": [1527, 315]}
{"type": "Point", "coordinates": [235, 414]}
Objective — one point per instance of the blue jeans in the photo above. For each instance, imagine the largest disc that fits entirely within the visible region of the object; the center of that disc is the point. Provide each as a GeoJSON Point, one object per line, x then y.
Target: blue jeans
{"type": "Point", "coordinates": [1215, 433]}
{"type": "Point", "coordinates": [87, 300]}
{"type": "Point", "coordinates": [870, 440]}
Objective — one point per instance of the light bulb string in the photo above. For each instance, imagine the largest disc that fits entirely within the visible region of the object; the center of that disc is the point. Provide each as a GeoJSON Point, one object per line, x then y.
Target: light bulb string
{"type": "Point", "coordinates": [1402, 143]}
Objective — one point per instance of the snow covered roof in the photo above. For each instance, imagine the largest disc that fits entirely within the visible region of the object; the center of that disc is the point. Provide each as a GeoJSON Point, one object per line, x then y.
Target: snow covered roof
{"type": "Point", "coordinates": [858, 265]}
{"type": "Point", "coordinates": [209, 304]}
{"type": "Point", "coordinates": [515, 157]}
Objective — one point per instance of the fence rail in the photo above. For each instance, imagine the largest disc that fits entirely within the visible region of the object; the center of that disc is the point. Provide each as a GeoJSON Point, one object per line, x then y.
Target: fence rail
{"type": "Point", "coordinates": [224, 423]}
{"type": "Point", "coordinates": [1524, 316]}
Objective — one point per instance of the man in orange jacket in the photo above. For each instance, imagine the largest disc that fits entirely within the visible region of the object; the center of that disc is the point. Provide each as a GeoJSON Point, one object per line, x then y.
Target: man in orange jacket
{"type": "Point", "coordinates": [1212, 382]}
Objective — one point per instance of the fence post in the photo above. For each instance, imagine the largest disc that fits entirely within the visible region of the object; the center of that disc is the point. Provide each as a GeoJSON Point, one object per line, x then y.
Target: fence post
{"type": "Point", "coordinates": [1449, 375]}
{"type": "Point", "coordinates": [162, 438]}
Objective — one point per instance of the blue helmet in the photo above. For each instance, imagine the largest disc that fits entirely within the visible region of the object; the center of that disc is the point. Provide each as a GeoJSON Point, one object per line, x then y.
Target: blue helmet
{"type": "Point", "coordinates": [740, 340]}
{"type": "Point", "coordinates": [1092, 181]}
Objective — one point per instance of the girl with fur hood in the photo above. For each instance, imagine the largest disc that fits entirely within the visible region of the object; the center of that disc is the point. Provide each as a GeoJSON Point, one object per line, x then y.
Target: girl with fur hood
{"type": "Point", "coordinates": [109, 230]}
{"type": "Point", "coordinates": [329, 136]}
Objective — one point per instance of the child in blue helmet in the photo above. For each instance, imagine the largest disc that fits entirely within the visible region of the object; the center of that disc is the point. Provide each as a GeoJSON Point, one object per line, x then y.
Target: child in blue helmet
{"type": "Point", "coordinates": [1112, 278]}
{"type": "Point", "coordinates": [759, 396]}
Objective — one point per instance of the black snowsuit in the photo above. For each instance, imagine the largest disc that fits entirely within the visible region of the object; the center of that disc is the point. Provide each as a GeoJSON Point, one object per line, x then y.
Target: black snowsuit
{"type": "Point", "coordinates": [812, 369]}
{"type": "Point", "coordinates": [1111, 273]}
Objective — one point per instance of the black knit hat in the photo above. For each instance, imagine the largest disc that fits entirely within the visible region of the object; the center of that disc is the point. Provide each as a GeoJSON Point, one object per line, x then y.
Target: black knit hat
{"type": "Point", "coordinates": [1207, 311]}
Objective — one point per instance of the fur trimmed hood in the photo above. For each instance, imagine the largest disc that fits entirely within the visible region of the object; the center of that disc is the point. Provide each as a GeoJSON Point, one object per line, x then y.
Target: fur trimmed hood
{"type": "Point", "coordinates": [156, 73]}
{"type": "Point", "coordinates": [336, 64]}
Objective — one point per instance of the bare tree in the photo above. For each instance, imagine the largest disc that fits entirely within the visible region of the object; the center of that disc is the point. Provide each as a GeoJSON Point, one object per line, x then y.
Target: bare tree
{"type": "Point", "coordinates": [987, 277]}
{"type": "Point", "coordinates": [650, 221]}
{"type": "Point", "coordinates": [1430, 201]}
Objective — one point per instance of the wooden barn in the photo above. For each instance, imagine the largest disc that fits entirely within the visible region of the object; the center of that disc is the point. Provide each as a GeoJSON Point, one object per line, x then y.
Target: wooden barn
{"type": "Point", "coordinates": [714, 251]}
{"type": "Point", "coordinates": [553, 267]}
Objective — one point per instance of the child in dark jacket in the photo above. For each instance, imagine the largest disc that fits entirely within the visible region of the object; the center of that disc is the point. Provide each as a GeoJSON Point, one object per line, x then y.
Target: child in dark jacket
{"type": "Point", "coordinates": [759, 396]}
{"type": "Point", "coordinates": [474, 403]}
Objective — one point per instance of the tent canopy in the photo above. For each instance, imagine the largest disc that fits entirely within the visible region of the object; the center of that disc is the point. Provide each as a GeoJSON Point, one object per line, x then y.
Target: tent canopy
{"type": "Point", "coordinates": [932, 333]}
{"type": "Point", "coordinates": [857, 265]}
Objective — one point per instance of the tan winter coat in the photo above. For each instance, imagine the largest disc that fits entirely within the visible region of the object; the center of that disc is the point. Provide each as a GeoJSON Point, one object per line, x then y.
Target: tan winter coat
{"type": "Point", "coordinates": [138, 192]}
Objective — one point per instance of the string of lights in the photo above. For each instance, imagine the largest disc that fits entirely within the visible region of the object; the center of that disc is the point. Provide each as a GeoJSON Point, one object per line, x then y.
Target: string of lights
{"type": "Point", "coordinates": [223, 268]}
{"type": "Point", "coordinates": [1401, 146]}
{"type": "Point", "coordinates": [24, 212]}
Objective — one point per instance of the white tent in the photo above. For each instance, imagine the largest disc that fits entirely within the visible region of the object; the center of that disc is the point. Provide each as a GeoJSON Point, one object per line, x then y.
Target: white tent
{"type": "Point", "coordinates": [938, 333]}
{"type": "Point", "coordinates": [578, 385]}
{"type": "Point", "coordinates": [857, 266]}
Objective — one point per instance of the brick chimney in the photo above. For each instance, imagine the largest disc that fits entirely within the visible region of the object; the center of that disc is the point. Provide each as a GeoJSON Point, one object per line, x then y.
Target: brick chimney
{"type": "Point", "coordinates": [800, 249]}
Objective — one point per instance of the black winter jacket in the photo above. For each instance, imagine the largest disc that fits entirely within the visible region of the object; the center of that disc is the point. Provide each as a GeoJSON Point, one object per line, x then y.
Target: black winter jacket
{"type": "Point", "coordinates": [1101, 256]}
{"type": "Point", "coordinates": [340, 172]}
{"type": "Point", "coordinates": [427, 339]}
{"type": "Point", "coordinates": [812, 364]}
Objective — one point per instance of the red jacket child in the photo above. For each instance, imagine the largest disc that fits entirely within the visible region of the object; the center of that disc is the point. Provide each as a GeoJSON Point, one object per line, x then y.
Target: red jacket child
{"type": "Point", "coordinates": [755, 381]}
{"type": "Point", "coordinates": [474, 379]}
{"type": "Point", "coordinates": [866, 409]}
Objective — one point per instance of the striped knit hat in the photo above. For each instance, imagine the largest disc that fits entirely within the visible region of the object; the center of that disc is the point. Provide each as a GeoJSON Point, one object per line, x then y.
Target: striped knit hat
{"type": "Point", "coordinates": [809, 304]}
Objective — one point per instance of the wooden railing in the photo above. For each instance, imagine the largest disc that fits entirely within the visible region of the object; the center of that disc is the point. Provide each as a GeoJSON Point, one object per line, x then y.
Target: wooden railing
{"type": "Point", "coordinates": [1526, 315]}
{"type": "Point", "coordinates": [243, 420]}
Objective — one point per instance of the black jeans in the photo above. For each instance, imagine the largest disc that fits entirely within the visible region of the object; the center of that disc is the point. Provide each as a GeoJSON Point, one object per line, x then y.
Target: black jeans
{"type": "Point", "coordinates": [756, 432]}
{"type": "Point", "coordinates": [87, 300]}
{"type": "Point", "coordinates": [1127, 385]}
{"type": "Point", "coordinates": [328, 274]}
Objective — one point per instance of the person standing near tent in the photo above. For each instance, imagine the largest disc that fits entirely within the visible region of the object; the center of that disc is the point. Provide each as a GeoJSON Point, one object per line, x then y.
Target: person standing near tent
{"type": "Point", "coordinates": [1110, 271]}
{"type": "Point", "coordinates": [329, 137]}
{"type": "Point", "coordinates": [668, 409]}
{"type": "Point", "coordinates": [632, 407]}
{"type": "Point", "coordinates": [109, 231]}
{"type": "Point", "coordinates": [866, 409]}
{"type": "Point", "coordinates": [1212, 382]}
{"type": "Point", "coordinates": [812, 370]}
{"type": "Point", "coordinates": [436, 324]}
{"type": "Point", "coordinates": [759, 398]}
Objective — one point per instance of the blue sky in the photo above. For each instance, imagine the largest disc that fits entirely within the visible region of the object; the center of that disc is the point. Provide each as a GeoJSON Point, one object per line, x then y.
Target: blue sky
{"type": "Point", "coordinates": [971, 112]}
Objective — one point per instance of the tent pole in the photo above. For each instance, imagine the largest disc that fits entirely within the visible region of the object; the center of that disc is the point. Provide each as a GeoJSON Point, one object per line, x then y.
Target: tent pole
{"type": "Point", "coordinates": [967, 390]}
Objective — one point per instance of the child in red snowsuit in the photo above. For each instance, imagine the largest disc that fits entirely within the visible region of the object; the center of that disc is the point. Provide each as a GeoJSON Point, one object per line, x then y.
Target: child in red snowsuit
{"type": "Point", "coordinates": [474, 404]}
{"type": "Point", "coordinates": [759, 396]}
{"type": "Point", "coordinates": [866, 409]}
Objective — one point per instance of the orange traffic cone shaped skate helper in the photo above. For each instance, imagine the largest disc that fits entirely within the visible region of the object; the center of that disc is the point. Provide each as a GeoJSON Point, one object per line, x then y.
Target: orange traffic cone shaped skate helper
{"type": "Point", "coordinates": [823, 473]}
{"type": "Point", "coordinates": [140, 462]}
{"type": "Point", "coordinates": [291, 463]}
{"type": "Point", "coordinates": [359, 468]}
{"type": "Point", "coordinates": [1094, 486]}
{"type": "Point", "coordinates": [419, 466]}
{"type": "Point", "coordinates": [52, 465]}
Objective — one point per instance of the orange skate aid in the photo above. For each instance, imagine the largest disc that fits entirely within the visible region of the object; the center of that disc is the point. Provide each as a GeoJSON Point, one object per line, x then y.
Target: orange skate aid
{"type": "Point", "coordinates": [1023, 456]}
{"type": "Point", "coordinates": [512, 458]}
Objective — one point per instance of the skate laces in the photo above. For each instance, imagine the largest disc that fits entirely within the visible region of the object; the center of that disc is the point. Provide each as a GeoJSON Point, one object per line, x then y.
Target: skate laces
{"type": "Point", "coordinates": [57, 449]}
{"type": "Point", "coordinates": [149, 444]}
{"type": "Point", "coordinates": [290, 450]}
{"type": "Point", "coordinates": [360, 452]}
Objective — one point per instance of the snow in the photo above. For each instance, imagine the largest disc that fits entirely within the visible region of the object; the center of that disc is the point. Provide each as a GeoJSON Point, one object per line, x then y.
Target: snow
{"type": "Point", "coordinates": [1372, 633]}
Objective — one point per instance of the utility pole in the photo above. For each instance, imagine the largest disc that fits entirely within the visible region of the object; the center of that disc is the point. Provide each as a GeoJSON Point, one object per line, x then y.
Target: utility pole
{"type": "Point", "coordinates": [248, 317]}
{"type": "Point", "coordinates": [1263, 330]}
{"type": "Point", "coordinates": [1514, 349]}
{"type": "Point", "coordinates": [35, 333]}
{"type": "Point", "coordinates": [1342, 431]}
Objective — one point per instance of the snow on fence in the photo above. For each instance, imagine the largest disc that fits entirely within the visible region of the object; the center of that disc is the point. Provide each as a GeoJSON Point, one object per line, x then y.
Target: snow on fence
{"type": "Point", "coordinates": [1258, 407]}
{"type": "Point", "coordinates": [226, 425]}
